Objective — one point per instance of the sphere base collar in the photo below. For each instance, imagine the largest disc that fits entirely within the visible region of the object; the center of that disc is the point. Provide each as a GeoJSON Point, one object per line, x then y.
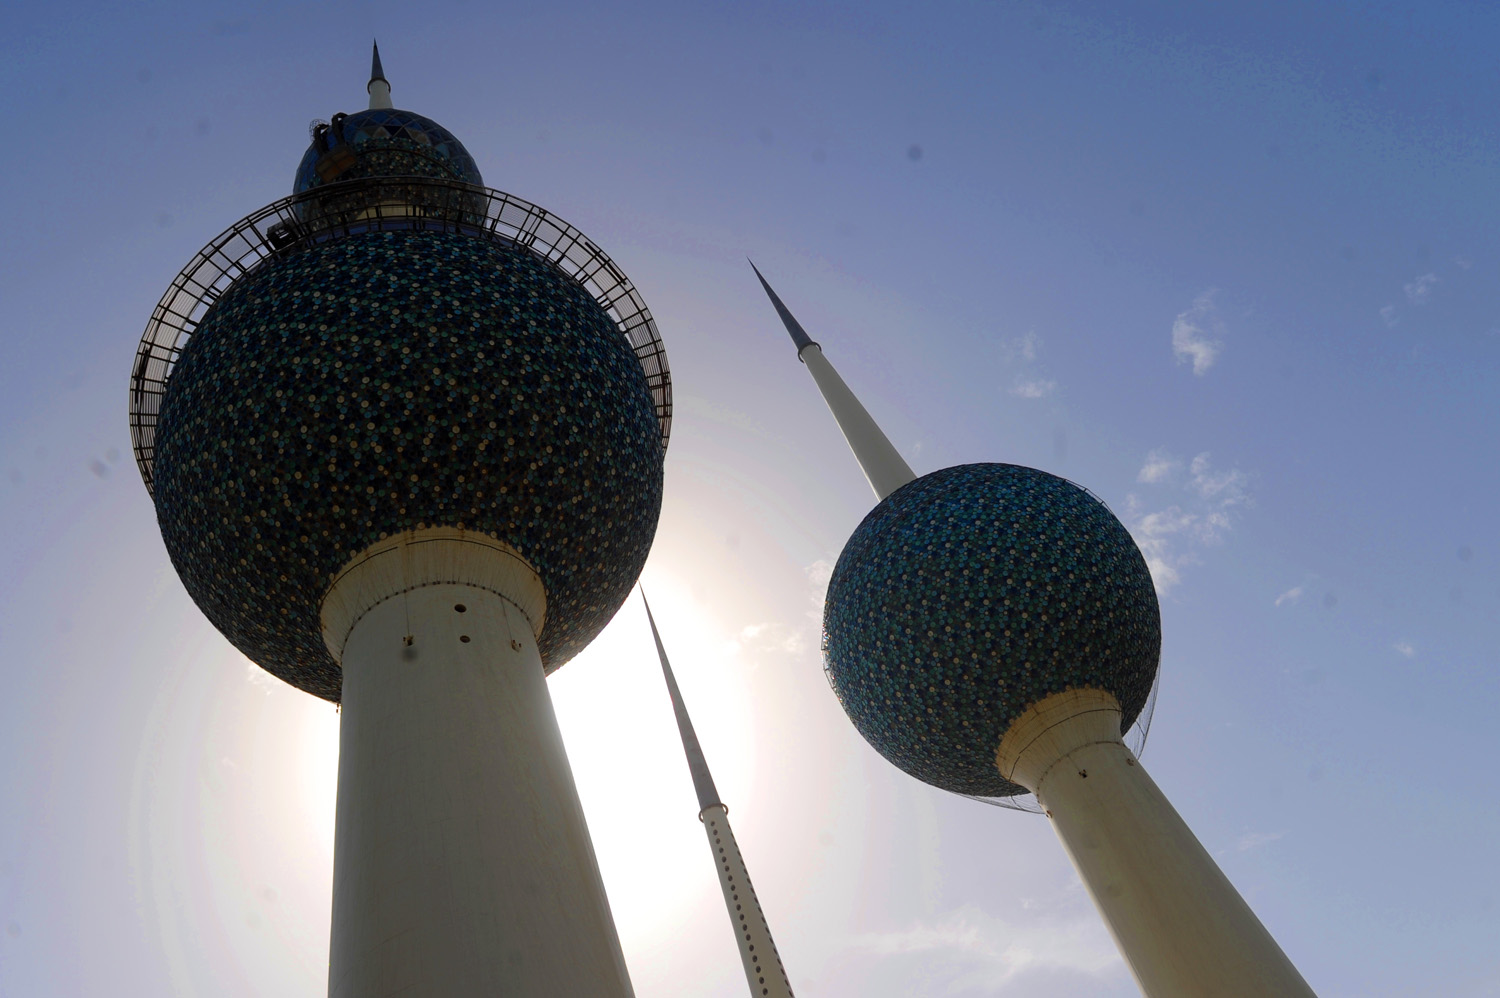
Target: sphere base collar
{"type": "Point", "coordinates": [432, 556]}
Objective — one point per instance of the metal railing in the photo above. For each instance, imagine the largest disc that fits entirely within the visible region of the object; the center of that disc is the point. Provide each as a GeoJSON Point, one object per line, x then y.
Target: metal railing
{"type": "Point", "coordinates": [340, 210]}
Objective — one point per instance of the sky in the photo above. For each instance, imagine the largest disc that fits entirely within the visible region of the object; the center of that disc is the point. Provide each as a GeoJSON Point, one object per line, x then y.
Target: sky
{"type": "Point", "coordinates": [1233, 267]}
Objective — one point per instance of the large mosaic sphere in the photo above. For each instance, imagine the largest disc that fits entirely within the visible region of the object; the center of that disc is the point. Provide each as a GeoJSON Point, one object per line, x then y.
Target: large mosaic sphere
{"type": "Point", "coordinates": [970, 594]}
{"type": "Point", "coordinates": [391, 381]}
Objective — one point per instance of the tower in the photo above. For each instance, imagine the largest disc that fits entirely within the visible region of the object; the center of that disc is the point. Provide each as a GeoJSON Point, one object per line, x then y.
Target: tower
{"type": "Point", "coordinates": [991, 630]}
{"type": "Point", "coordinates": [404, 435]}
{"type": "Point", "coordinates": [751, 931]}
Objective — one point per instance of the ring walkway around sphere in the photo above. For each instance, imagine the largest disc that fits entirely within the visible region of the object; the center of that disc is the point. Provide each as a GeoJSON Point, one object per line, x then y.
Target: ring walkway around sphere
{"type": "Point", "coordinates": [583, 515]}
{"type": "Point", "coordinates": [279, 228]}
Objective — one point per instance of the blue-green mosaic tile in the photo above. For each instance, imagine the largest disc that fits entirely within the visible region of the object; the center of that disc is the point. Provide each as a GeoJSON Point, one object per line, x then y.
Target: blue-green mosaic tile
{"type": "Point", "coordinates": [385, 142]}
{"type": "Point", "coordinates": [972, 593]}
{"type": "Point", "coordinates": [393, 380]}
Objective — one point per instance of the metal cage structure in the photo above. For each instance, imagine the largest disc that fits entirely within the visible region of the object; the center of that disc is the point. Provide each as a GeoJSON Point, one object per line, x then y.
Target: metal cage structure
{"type": "Point", "coordinates": [375, 204]}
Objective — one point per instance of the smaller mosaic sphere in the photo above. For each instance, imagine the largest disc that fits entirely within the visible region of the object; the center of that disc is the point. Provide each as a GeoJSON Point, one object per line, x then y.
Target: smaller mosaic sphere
{"type": "Point", "coordinates": [384, 142]}
{"type": "Point", "coordinates": [970, 594]}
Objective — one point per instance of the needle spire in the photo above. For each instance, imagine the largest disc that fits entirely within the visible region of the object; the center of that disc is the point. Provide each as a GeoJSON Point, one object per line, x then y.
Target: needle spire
{"type": "Point", "coordinates": [703, 782]}
{"type": "Point", "coordinates": [799, 335]}
{"type": "Point", "coordinates": [379, 88]}
{"type": "Point", "coordinates": [884, 467]}
{"type": "Point", "coordinates": [763, 970]}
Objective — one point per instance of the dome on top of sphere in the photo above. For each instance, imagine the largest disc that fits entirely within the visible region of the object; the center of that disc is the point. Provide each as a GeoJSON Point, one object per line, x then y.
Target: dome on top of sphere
{"type": "Point", "coordinates": [384, 142]}
{"type": "Point", "coordinates": [970, 594]}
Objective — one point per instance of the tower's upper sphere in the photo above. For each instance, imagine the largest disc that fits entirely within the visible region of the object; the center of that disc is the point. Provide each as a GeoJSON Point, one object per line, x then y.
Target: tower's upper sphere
{"type": "Point", "coordinates": [383, 142]}
{"type": "Point", "coordinates": [969, 595]}
{"type": "Point", "coordinates": [389, 381]}
{"type": "Point", "coordinates": [396, 356]}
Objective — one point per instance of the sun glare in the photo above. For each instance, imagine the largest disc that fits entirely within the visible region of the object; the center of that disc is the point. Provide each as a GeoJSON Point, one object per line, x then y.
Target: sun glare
{"type": "Point", "coordinates": [628, 760]}
{"type": "Point", "coordinates": [625, 752]}
{"type": "Point", "coordinates": [318, 747]}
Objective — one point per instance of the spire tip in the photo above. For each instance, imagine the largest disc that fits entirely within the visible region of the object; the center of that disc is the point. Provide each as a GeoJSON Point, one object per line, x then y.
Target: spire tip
{"type": "Point", "coordinates": [379, 88]}
{"type": "Point", "coordinates": [793, 327]}
{"type": "Point", "coordinates": [703, 783]}
{"type": "Point", "coordinates": [376, 72]}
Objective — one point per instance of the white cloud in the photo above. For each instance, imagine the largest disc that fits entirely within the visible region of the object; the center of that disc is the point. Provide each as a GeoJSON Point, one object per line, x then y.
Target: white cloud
{"type": "Point", "coordinates": [1197, 334]}
{"type": "Point", "coordinates": [1419, 289]}
{"type": "Point", "coordinates": [1227, 488]}
{"type": "Point", "coordinates": [1165, 575]}
{"type": "Point", "coordinates": [1032, 388]}
{"type": "Point", "coordinates": [1166, 522]}
{"type": "Point", "coordinates": [1170, 539]}
{"type": "Point", "coordinates": [1159, 467]}
{"type": "Point", "coordinates": [1388, 316]}
{"type": "Point", "coordinates": [1462, 263]}
{"type": "Point", "coordinates": [1406, 648]}
{"type": "Point", "coordinates": [777, 638]}
{"type": "Point", "coordinates": [1254, 840]}
{"type": "Point", "coordinates": [976, 951]}
{"type": "Point", "coordinates": [1153, 534]}
{"type": "Point", "coordinates": [1022, 349]}
{"type": "Point", "coordinates": [1029, 382]}
{"type": "Point", "coordinates": [819, 573]}
{"type": "Point", "coordinates": [260, 678]}
{"type": "Point", "coordinates": [1292, 595]}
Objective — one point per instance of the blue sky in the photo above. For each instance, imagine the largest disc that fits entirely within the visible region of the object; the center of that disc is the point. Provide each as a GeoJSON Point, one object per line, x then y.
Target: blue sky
{"type": "Point", "coordinates": [1232, 268]}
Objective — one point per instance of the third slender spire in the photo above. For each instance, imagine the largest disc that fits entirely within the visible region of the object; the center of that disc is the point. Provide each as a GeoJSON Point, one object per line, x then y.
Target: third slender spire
{"type": "Point", "coordinates": [763, 970]}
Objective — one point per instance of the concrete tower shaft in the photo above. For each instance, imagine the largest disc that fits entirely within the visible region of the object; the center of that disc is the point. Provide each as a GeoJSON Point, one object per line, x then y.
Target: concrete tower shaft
{"type": "Point", "coordinates": [462, 860]}
{"type": "Point", "coordinates": [1184, 930]}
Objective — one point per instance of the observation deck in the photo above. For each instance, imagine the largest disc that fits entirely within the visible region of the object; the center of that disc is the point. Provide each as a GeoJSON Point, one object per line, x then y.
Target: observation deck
{"type": "Point", "coordinates": [376, 204]}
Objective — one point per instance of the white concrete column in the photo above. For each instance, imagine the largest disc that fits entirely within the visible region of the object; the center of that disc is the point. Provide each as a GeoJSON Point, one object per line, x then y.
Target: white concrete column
{"type": "Point", "coordinates": [462, 862]}
{"type": "Point", "coordinates": [1183, 929]}
{"type": "Point", "coordinates": [763, 969]}
{"type": "Point", "coordinates": [380, 95]}
{"type": "Point", "coordinates": [882, 464]}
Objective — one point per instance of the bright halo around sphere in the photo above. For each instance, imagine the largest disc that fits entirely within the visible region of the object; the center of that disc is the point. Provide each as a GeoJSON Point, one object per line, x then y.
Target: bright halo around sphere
{"type": "Point", "coordinates": [628, 761]}
{"type": "Point", "coordinates": [317, 744]}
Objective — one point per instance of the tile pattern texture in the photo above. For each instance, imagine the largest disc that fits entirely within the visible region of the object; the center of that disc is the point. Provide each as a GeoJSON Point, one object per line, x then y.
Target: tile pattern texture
{"type": "Point", "coordinates": [386, 143]}
{"type": "Point", "coordinates": [394, 380]}
{"type": "Point", "coordinates": [972, 593]}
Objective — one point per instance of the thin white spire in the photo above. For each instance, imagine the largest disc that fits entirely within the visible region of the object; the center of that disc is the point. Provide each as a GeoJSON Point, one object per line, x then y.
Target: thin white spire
{"type": "Point", "coordinates": [379, 88]}
{"type": "Point", "coordinates": [884, 467]}
{"type": "Point", "coordinates": [703, 781]}
{"type": "Point", "coordinates": [763, 970]}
